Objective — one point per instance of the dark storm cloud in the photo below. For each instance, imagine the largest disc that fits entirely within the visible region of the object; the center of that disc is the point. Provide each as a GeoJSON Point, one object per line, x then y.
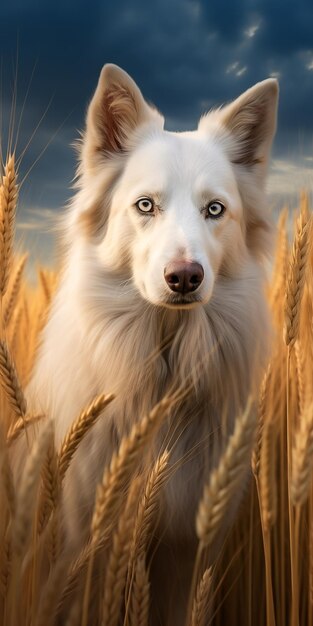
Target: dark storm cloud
{"type": "Point", "coordinates": [186, 55]}
{"type": "Point", "coordinates": [287, 26]}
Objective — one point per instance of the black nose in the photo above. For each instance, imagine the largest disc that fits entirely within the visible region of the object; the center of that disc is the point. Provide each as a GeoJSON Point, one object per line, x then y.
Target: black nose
{"type": "Point", "coordinates": [183, 276]}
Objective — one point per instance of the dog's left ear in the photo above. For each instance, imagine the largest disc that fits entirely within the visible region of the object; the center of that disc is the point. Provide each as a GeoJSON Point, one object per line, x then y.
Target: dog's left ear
{"type": "Point", "coordinates": [248, 124]}
{"type": "Point", "coordinates": [251, 120]}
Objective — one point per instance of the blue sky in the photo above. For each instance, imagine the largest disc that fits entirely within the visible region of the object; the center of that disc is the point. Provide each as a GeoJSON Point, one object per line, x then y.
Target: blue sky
{"type": "Point", "coordinates": [186, 56]}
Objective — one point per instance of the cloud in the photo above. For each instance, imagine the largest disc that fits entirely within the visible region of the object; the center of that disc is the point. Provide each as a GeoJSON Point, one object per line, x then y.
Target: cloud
{"type": "Point", "coordinates": [251, 31]}
{"type": "Point", "coordinates": [242, 71]}
{"type": "Point", "coordinates": [29, 226]}
{"type": "Point", "coordinates": [288, 178]}
{"type": "Point", "coordinates": [232, 67]}
{"type": "Point", "coordinates": [37, 219]}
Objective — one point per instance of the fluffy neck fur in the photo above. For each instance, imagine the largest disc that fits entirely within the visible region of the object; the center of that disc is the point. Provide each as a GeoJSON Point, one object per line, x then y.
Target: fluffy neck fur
{"type": "Point", "coordinates": [139, 351]}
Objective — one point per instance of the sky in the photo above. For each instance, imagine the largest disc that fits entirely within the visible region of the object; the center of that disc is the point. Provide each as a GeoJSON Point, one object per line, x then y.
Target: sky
{"type": "Point", "coordinates": [186, 56]}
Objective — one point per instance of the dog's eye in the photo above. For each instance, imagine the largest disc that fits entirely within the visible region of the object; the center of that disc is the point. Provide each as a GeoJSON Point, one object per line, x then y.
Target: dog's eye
{"type": "Point", "coordinates": [145, 205]}
{"type": "Point", "coordinates": [214, 210]}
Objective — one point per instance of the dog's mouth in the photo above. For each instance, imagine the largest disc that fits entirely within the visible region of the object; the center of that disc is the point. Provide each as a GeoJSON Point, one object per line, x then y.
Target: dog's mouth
{"type": "Point", "coordinates": [182, 302]}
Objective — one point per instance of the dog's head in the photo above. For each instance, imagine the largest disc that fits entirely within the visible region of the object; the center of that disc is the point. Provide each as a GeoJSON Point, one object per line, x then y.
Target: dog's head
{"type": "Point", "coordinates": [170, 210]}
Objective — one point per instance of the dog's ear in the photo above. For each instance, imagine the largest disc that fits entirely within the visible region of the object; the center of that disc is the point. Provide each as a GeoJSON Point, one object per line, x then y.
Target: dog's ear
{"type": "Point", "coordinates": [246, 128]}
{"type": "Point", "coordinates": [116, 110]}
{"type": "Point", "coordinates": [248, 124]}
{"type": "Point", "coordinates": [251, 120]}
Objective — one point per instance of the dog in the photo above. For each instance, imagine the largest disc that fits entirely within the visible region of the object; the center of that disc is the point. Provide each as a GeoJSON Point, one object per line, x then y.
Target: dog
{"type": "Point", "coordinates": [163, 245]}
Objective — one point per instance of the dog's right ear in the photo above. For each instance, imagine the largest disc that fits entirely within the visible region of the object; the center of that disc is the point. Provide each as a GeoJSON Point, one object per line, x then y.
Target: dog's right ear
{"type": "Point", "coordinates": [116, 110]}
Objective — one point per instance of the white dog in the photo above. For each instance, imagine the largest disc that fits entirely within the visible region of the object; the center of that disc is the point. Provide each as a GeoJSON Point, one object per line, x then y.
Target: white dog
{"type": "Point", "coordinates": [164, 242]}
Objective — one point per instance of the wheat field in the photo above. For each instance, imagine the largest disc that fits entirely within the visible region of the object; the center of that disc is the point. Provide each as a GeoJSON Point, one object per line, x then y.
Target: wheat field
{"type": "Point", "coordinates": [263, 575]}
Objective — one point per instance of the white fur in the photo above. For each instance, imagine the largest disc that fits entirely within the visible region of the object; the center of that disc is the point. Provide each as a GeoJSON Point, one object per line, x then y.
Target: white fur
{"type": "Point", "coordinates": [111, 311]}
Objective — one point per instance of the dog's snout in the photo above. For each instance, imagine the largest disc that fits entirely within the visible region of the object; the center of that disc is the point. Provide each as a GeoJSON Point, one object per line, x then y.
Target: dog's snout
{"type": "Point", "coordinates": [183, 276]}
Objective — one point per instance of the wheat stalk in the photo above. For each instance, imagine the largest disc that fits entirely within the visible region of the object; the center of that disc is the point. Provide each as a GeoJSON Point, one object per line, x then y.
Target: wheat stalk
{"type": "Point", "coordinates": [7, 478]}
{"type": "Point", "coordinates": [14, 328]}
{"type": "Point", "coordinates": [5, 564]}
{"type": "Point", "coordinates": [46, 288]}
{"type": "Point", "coordinates": [300, 368]}
{"type": "Point", "coordinates": [302, 458]}
{"type": "Point", "coordinates": [296, 278]}
{"type": "Point", "coordinates": [14, 290]}
{"type": "Point", "coordinates": [10, 382]}
{"type": "Point", "coordinates": [50, 595]}
{"type": "Point", "coordinates": [256, 453]}
{"type": "Point", "coordinates": [226, 478]}
{"type": "Point", "coordinates": [79, 429]}
{"type": "Point", "coordinates": [139, 602]}
{"type": "Point", "coordinates": [8, 199]}
{"type": "Point", "coordinates": [281, 261]}
{"type": "Point", "coordinates": [267, 477]}
{"type": "Point", "coordinates": [202, 601]}
{"type": "Point", "coordinates": [78, 568]}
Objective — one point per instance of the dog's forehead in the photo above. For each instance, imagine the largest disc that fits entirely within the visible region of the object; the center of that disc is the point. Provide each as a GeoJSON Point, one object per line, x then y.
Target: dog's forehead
{"type": "Point", "coordinates": [187, 156]}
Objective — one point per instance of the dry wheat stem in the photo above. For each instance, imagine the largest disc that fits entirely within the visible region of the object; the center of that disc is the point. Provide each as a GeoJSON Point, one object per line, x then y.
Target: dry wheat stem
{"type": "Point", "coordinates": [54, 540]}
{"type": "Point", "coordinates": [281, 258]}
{"type": "Point", "coordinates": [50, 595]}
{"type": "Point", "coordinates": [79, 429]}
{"type": "Point", "coordinates": [45, 285]}
{"type": "Point", "coordinates": [10, 382]}
{"type": "Point", "coordinates": [73, 618]}
{"type": "Point", "coordinates": [201, 604]}
{"type": "Point", "coordinates": [77, 569]}
{"type": "Point", "coordinates": [300, 367]}
{"type": "Point", "coordinates": [5, 563]}
{"type": "Point", "coordinates": [7, 479]}
{"type": "Point", "coordinates": [296, 279]}
{"type": "Point", "coordinates": [270, 608]}
{"type": "Point", "coordinates": [226, 478]}
{"type": "Point", "coordinates": [292, 537]}
{"type": "Point", "coordinates": [139, 603]}
{"type": "Point", "coordinates": [302, 458]}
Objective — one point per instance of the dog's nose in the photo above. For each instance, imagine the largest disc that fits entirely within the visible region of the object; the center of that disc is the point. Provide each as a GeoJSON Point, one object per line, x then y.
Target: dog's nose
{"type": "Point", "coordinates": [183, 276]}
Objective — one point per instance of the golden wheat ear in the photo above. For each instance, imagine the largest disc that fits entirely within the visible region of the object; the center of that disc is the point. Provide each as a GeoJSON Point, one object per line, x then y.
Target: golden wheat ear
{"type": "Point", "coordinates": [8, 200]}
